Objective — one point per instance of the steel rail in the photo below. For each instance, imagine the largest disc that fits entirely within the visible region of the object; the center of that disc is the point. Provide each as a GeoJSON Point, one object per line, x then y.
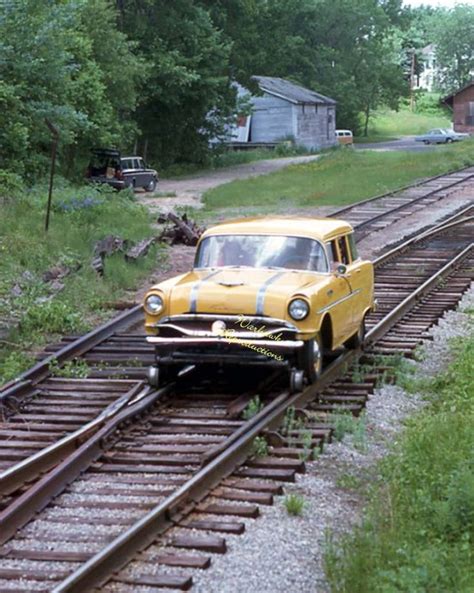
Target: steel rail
{"type": "Point", "coordinates": [29, 468]}
{"type": "Point", "coordinates": [404, 188]}
{"type": "Point", "coordinates": [223, 460]}
{"type": "Point", "coordinates": [418, 236]}
{"type": "Point", "coordinates": [438, 229]}
{"type": "Point", "coordinates": [76, 348]}
{"type": "Point", "coordinates": [26, 380]}
{"type": "Point", "coordinates": [413, 299]}
{"type": "Point", "coordinates": [40, 494]}
{"type": "Point", "coordinates": [403, 206]}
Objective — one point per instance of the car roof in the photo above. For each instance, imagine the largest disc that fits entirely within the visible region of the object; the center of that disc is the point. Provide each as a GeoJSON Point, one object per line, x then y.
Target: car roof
{"type": "Point", "coordinates": [106, 151]}
{"type": "Point", "coordinates": [323, 229]}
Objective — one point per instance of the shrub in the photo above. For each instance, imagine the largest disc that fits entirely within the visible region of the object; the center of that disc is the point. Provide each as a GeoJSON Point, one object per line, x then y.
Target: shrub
{"type": "Point", "coordinates": [53, 317]}
{"type": "Point", "coordinates": [294, 504]}
{"type": "Point", "coordinates": [418, 530]}
{"type": "Point", "coordinates": [253, 408]}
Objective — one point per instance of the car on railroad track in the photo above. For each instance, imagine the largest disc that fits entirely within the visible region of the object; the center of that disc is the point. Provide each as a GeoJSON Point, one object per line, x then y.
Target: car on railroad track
{"type": "Point", "coordinates": [274, 291]}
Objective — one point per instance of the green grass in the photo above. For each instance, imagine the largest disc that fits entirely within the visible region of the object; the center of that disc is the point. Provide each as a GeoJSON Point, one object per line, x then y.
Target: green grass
{"type": "Point", "coordinates": [418, 530]}
{"type": "Point", "coordinates": [338, 178]}
{"type": "Point", "coordinates": [231, 158]}
{"type": "Point", "coordinates": [390, 123]}
{"type": "Point", "coordinates": [373, 138]}
{"type": "Point", "coordinates": [80, 217]}
{"type": "Point", "coordinates": [294, 504]}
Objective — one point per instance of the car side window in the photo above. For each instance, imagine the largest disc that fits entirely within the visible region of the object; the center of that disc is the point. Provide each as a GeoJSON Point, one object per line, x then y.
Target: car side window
{"type": "Point", "coordinates": [141, 164]}
{"type": "Point", "coordinates": [352, 247]}
{"type": "Point", "coordinates": [333, 256]}
{"type": "Point", "coordinates": [344, 251]}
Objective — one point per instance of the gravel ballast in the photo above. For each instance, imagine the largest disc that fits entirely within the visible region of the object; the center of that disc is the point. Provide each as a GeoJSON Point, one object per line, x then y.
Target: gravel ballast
{"type": "Point", "coordinates": [281, 553]}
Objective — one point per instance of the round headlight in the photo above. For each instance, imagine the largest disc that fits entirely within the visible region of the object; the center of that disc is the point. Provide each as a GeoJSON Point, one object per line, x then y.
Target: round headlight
{"type": "Point", "coordinates": [154, 304]}
{"type": "Point", "coordinates": [298, 309]}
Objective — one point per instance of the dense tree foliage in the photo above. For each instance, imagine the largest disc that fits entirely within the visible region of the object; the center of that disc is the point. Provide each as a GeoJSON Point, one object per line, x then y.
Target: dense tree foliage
{"type": "Point", "coordinates": [453, 35]}
{"type": "Point", "coordinates": [56, 63]}
{"type": "Point", "coordinates": [155, 75]}
{"type": "Point", "coordinates": [188, 77]}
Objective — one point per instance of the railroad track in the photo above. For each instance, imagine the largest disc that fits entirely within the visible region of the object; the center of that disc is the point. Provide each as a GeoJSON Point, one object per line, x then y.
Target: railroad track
{"type": "Point", "coordinates": [183, 472]}
{"type": "Point", "coordinates": [379, 212]}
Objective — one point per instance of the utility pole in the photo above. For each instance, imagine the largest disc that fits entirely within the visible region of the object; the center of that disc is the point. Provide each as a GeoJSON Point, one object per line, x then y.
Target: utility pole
{"type": "Point", "coordinates": [55, 134]}
{"type": "Point", "coordinates": [412, 80]}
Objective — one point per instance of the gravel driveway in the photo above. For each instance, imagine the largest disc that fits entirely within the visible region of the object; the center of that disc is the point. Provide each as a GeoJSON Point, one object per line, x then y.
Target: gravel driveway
{"type": "Point", "coordinates": [189, 190]}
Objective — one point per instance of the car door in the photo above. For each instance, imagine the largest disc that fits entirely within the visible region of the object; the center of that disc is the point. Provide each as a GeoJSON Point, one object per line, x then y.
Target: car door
{"type": "Point", "coordinates": [143, 176]}
{"type": "Point", "coordinates": [340, 306]}
{"type": "Point", "coordinates": [360, 276]}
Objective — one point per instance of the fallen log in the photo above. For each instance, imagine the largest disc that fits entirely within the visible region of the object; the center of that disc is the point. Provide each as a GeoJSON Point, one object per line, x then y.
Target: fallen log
{"type": "Point", "coordinates": [140, 249]}
{"type": "Point", "coordinates": [109, 245]}
{"type": "Point", "coordinates": [183, 230]}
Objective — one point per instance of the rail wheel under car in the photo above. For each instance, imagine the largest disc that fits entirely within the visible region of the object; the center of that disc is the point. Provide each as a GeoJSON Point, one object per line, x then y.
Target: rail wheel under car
{"type": "Point", "coordinates": [159, 375]}
{"type": "Point", "coordinates": [313, 358]}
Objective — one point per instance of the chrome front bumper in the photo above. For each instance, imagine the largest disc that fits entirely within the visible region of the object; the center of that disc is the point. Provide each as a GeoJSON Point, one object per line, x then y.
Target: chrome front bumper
{"type": "Point", "coordinates": [231, 339]}
{"type": "Point", "coordinates": [224, 335]}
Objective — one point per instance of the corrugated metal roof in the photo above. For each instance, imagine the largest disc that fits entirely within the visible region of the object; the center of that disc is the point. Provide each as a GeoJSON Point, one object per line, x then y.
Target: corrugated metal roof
{"type": "Point", "coordinates": [290, 91]}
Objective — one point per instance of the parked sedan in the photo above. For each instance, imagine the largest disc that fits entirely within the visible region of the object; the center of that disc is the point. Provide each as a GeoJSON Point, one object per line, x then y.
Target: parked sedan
{"type": "Point", "coordinates": [277, 292]}
{"type": "Point", "coordinates": [440, 136]}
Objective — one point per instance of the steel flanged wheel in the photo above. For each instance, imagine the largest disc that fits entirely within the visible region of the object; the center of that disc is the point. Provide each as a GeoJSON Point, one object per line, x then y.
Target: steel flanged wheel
{"type": "Point", "coordinates": [296, 380]}
{"type": "Point", "coordinates": [312, 359]}
{"type": "Point", "coordinates": [153, 376]}
{"type": "Point", "coordinates": [356, 340]}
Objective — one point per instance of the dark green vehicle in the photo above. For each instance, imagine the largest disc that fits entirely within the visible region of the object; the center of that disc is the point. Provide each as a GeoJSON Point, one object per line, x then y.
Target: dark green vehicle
{"type": "Point", "coordinates": [108, 166]}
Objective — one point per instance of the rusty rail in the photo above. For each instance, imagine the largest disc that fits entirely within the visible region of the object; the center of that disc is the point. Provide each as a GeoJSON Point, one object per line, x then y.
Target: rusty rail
{"type": "Point", "coordinates": [224, 459]}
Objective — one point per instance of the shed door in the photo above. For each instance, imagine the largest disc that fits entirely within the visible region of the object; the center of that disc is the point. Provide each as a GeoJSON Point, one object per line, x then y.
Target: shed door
{"type": "Point", "coordinates": [470, 114]}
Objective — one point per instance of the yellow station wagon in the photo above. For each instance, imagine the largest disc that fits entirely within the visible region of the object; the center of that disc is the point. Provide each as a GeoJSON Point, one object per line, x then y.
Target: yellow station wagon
{"type": "Point", "coordinates": [263, 291]}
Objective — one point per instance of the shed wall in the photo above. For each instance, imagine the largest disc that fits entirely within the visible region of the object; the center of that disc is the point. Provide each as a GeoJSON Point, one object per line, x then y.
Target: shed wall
{"type": "Point", "coordinates": [272, 119]}
{"type": "Point", "coordinates": [463, 111]}
{"type": "Point", "coordinates": [316, 125]}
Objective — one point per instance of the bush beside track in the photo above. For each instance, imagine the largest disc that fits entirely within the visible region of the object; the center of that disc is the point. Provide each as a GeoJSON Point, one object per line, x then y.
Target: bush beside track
{"type": "Point", "coordinates": [30, 307]}
{"type": "Point", "coordinates": [418, 530]}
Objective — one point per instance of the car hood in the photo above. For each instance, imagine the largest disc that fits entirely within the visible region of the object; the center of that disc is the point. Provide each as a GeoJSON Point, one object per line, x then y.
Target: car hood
{"type": "Point", "coordinates": [246, 291]}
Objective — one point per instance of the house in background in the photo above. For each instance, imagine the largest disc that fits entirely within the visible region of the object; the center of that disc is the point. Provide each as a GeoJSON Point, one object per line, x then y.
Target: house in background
{"type": "Point", "coordinates": [462, 104]}
{"type": "Point", "coordinates": [286, 111]}
{"type": "Point", "coordinates": [427, 78]}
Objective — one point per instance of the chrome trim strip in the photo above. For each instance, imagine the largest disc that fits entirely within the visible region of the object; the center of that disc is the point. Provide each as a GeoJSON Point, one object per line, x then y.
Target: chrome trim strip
{"type": "Point", "coordinates": [324, 309]}
{"type": "Point", "coordinates": [195, 289]}
{"type": "Point", "coordinates": [239, 334]}
{"type": "Point", "coordinates": [275, 344]}
{"type": "Point", "coordinates": [223, 317]}
{"type": "Point", "coordinates": [263, 289]}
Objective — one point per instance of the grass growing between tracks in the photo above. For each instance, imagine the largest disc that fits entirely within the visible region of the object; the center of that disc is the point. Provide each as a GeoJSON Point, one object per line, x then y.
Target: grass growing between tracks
{"type": "Point", "coordinates": [33, 310]}
{"type": "Point", "coordinates": [418, 531]}
{"type": "Point", "coordinates": [340, 177]}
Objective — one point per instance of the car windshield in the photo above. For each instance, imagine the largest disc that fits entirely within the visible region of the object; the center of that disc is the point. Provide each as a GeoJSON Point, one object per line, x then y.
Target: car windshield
{"type": "Point", "coordinates": [261, 251]}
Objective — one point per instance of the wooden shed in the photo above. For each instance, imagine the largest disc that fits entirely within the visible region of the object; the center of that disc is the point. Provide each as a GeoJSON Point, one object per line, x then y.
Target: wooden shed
{"type": "Point", "coordinates": [462, 104]}
{"type": "Point", "coordinates": [286, 111]}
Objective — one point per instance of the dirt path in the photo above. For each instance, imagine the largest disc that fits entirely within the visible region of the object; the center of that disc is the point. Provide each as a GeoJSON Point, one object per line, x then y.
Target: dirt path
{"type": "Point", "coordinates": [189, 190]}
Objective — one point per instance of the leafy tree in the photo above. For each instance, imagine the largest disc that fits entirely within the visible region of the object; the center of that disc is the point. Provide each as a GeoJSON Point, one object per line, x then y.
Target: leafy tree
{"type": "Point", "coordinates": [453, 36]}
{"type": "Point", "coordinates": [56, 63]}
{"type": "Point", "coordinates": [187, 94]}
{"type": "Point", "coordinates": [332, 46]}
